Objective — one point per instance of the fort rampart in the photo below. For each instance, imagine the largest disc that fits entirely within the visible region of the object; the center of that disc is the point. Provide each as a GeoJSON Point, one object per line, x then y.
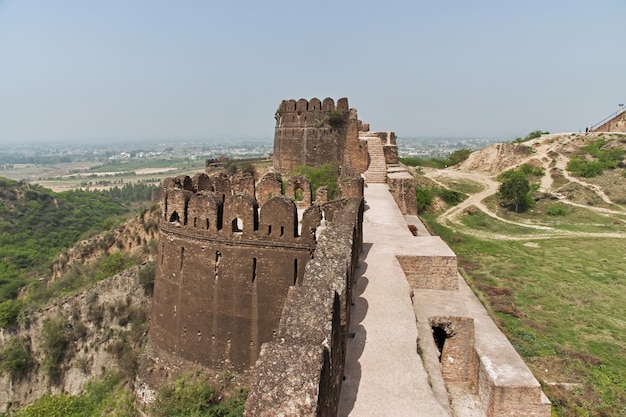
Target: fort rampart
{"type": "Point", "coordinates": [227, 260]}
{"type": "Point", "coordinates": [317, 132]}
{"type": "Point", "coordinates": [242, 284]}
{"type": "Point", "coordinates": [300, 372]}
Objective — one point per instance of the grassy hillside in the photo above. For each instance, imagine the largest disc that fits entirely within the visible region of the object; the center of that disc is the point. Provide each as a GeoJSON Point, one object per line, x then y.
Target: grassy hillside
{"type": "Point", "coordinates": [36, 224]}
{"type": "Point", "coordinates": [562, 303]}
{"type": "Point", "coordinates": [552, 276]}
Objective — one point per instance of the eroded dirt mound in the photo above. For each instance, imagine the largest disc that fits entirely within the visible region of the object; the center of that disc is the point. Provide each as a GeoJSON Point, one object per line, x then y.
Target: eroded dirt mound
{"type": "Point", "coordinates": [497, 157]}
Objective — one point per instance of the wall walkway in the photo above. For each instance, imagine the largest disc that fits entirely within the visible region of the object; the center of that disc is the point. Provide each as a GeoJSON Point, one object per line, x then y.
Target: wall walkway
{"type": "Point", "coordinates": [384, 375]}
{"type": "Point", "coordinates": [405, 285]}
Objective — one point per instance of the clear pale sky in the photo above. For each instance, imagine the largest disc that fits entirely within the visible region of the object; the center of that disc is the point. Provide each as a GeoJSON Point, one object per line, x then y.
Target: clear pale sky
{"type": "Point", "coordinates": [137, 69]}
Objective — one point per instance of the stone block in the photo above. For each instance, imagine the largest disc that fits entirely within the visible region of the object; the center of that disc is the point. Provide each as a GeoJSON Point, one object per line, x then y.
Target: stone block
{"type": "Point", "coordinates": [287, 382]}
{"type": "Point", "coordinates": [430, 272]}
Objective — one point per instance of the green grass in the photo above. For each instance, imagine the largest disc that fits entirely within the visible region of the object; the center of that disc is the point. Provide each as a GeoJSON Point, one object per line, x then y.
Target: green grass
{"type": "Point", "coordinates": [108, 397]}
{"type": "Point", "coordinates": [480, 221]}
{"type": "Point", "coordinates": [575, 219]}
{"type": "Point", "coordinates": [462, 185]}
{"type": "Point", "coordinates": [564, 310]}
{"type": "Point", "coordinates": [200, 395]}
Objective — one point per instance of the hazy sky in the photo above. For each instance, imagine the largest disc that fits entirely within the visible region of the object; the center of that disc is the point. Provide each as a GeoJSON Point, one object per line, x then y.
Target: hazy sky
{"type": "Point", "coordinates": [126, 69]}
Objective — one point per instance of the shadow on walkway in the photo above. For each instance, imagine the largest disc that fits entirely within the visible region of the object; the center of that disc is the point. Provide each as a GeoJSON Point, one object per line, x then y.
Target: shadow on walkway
{"type": "Point", "coordinates": [356, 339]}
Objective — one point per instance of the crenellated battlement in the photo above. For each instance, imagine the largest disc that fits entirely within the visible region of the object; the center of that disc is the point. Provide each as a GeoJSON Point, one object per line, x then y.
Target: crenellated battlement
{"type": "Point", "coordinates": [312, 113]}
{"type": "Point", "coordinates": [242, 285]}
{"type": "Point", "coordinates": [221, 208]}
{"type": "Point", "coordinates": [313, 132]}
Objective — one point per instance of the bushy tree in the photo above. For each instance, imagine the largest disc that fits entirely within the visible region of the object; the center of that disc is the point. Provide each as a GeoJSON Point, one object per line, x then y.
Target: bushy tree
{"type": "Point", "coordinates": [514, 190]}
{"type": "Point", "coordinates": [424, 198]}
{"type": "Point", "coordinates": [336, 119]}
{"type": "Point", "coordinates": [16, 358]}
{"type": "Point", "coordinates": [9, 310]}
{"type": "Point", "coordinates": [556, 209]}
{"type": "Point", "coordinates": [532, 135]}
{"type": "Point", "coordinates": [54, 343]}
{"type": "Point", "coordinates": [457, 157]}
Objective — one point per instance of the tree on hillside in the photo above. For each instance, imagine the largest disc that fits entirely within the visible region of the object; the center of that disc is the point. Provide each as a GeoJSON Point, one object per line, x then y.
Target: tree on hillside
{"type": "Point", "coordinates": [459, 156]}
{"type": "Point", "coordinates": [514, 190]}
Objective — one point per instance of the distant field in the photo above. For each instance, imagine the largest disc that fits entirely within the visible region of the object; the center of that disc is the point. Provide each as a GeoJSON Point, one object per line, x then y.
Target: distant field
{"type": "Point", "coordinates": [69, 176]}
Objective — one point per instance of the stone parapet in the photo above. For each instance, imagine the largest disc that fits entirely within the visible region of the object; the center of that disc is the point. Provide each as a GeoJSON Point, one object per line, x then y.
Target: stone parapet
{"type": "Point", "coordinates": [300, 372]}
{"type": "Point", "coordinates": [351, 188]}
{"type": "Point", "coordinates": [288, 381]}
{"type": "Point", "coordinates": [429, 264]}
{"type": "Point", "coordinates": [485, 364]}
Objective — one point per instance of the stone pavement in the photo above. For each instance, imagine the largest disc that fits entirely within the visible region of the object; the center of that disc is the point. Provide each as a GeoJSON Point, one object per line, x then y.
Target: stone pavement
{"type": "Point", "coordinates": [384, 375]}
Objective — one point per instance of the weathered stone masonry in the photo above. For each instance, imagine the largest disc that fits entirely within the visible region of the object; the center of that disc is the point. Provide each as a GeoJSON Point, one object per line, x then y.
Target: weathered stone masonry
{"type": "Point", "coordinates": [300, 373]}
{"type": "Point", "coordinates": [304, 135]}
{"type": "Point", "coordinates": [223, 270]}
{"type": "Point", "coordinates": [241, 285]}
{"type": "Point", "coordinates": [225, 266]}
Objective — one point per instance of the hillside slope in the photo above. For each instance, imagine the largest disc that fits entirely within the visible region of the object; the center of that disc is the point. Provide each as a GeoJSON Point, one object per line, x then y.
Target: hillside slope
{"type": "Point", "coordinates": [552, 275]}
{"type": "Point", "coordinates": [604, 193]}
{"type": "Point", "coordinates": [66, 319]}
{"type": "Point", "coordinates": [76, 338]}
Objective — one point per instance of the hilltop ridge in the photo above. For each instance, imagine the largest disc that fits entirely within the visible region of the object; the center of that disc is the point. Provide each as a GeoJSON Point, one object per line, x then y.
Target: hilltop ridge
{"type": "Point", "coordinates": [604, 193]}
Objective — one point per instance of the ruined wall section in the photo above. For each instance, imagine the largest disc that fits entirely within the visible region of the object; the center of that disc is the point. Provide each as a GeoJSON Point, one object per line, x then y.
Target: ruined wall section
{"type": "Point", "coordinates": [616, 124]}
{"type": "Point", "coordinates": [300, 372]}
{"type": "Point", "coordinates": [224, 268]}
{"type": "Point", "coordinates": [305, 135]}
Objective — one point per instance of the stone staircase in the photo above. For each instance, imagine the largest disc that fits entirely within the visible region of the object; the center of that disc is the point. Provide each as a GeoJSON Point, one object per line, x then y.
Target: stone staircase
{"type": "Point", "coordinates": [377, 169]}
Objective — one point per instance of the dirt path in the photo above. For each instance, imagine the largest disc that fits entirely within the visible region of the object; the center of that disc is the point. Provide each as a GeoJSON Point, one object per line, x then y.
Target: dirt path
{"type": "Point", "coordinates": [544, 153]}
{"type": "Point", "coordinates": [490, 188]}
{"type": "Point", "coordinates": [561, 163]}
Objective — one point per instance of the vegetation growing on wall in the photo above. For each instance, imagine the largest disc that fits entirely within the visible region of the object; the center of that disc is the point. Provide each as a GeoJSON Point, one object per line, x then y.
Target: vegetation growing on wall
{"type": "Point", "coordinates": [325, 175]}
{"type": "Point", "coordinates": [336, 119]}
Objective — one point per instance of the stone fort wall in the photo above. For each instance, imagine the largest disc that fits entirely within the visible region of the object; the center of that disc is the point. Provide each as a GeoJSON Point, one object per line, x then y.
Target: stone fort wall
{"type": "Point", "coordinates": [304, 135]}
{"type": "Point", "coordinates": [226, 262]}
{"type": "Point", "coordinates": [300, 372]}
